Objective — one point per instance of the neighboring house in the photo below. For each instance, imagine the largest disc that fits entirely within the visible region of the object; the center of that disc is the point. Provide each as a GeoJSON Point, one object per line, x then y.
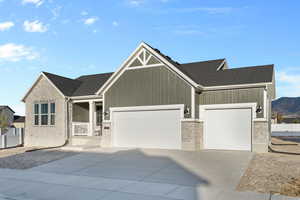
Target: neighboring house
{"type": "Point", "coordinates": [19, 121]}
{"type": "Point", "coordinates": [152, 101]}
{"type": "Point", "coordinates": [8, 113]}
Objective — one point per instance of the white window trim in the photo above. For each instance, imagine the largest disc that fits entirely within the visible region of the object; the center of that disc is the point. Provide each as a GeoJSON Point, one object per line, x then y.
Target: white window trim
{"type": "Point", "coordinates": [39, 103]}
{"type": "Point", "coordinates": [203, 108]}
{"type": "Point", "coordinates": [50, 114]}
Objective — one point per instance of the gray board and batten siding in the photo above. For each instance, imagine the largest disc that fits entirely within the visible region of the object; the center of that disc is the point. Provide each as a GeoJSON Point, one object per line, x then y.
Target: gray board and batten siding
{"type": "Point", "coordinates": [146, 87]}
{"type": "Point", "coordinates": [247, 95]}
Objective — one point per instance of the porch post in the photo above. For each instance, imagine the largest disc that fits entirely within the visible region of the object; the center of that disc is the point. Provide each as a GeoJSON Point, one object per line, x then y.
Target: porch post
{"type": "Point", "coordinates": [91, 117]}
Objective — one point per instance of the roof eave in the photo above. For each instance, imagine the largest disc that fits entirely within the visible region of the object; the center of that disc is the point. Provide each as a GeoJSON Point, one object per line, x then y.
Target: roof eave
{"type": "Point", "coordinates": [249, 85]}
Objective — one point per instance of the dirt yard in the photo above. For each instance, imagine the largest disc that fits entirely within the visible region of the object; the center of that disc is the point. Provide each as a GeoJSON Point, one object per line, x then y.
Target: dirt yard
{"type": "Point", "coordinates": [276, 173]}
{"type": "Point", "coordinates": [18, 158]}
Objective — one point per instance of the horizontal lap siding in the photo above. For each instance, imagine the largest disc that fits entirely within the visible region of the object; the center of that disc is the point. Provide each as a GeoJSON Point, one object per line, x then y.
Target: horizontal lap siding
{"type": "Point", "coordinates": [248, 95]}
{"type": "Point", "coordinates": [146, 87]}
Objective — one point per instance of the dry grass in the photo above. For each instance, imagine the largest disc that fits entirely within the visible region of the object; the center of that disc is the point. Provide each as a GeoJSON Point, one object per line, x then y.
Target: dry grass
{"type": "Point", "coordinates": [274, 172]}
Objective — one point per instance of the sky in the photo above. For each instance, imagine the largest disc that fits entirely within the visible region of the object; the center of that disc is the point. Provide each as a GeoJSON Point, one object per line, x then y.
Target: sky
{"type": "Point", "coordinates": [78, 37]}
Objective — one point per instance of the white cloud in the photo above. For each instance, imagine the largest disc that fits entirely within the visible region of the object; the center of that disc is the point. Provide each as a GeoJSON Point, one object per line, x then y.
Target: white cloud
{"type": "Point", "coordinates": [288, 83]}
{"type": "Point", "coordinates": [288, 78]}
{"type": "Point", "coordinates": [136, 2]}
{"type": "Point", "coordinates": [13, 53]}
{"type": "Point", "coordinates": [84, 13]}
{"type": "Point", "coordinates": [6, 26]}
{"type": "Point", "coordinates": [37, 3]}
{"type": "Point", "coordinates": [115, 23]}
{"type": "Point", "coordinates": [56, 12]}
{"type": "Point", "coordinates": [34, 26]}
{"type": "Point", "coordinates": [90, 21]}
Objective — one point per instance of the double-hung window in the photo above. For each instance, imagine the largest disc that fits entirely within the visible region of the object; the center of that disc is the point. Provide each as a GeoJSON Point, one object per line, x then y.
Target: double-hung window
{"type": "Point", "coordinates": [44, 114]}
{"type": "Point", "coordinates": [52, 114]}
{"type": "Point", "coordinates": [36, 114]}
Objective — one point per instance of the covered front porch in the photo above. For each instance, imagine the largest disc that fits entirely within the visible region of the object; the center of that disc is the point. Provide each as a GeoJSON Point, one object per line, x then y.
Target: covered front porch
{"type": "Point", "coordinates": [87, 118]}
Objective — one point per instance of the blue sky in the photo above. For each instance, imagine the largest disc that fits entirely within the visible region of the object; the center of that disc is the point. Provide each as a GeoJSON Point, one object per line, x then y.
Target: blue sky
{"type": "Point", "coordinates": [77, 37]}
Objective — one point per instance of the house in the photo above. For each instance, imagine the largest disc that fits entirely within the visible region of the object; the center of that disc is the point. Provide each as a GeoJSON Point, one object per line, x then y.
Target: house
{"type": "Point", "coordinates": [8, 114]}
{"type": "Point", "coordinates": [19, 121]}
{"type": "Point", "coordinates": [152, 101]}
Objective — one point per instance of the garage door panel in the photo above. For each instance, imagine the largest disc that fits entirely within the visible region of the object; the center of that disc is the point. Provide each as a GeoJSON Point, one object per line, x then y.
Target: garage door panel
{"type": "Point", "coordinates": [228, 129]}
{"type": "Point", "coordinates": [147, 129]}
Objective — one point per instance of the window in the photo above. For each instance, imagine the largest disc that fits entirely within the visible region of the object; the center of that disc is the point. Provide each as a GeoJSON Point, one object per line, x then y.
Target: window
{"type": "Point", "coordinates": [36, 114]}
{"type": "Point", "coordinates": [44, 114]}
{"type": "Point", "coordinates": [52, 114]}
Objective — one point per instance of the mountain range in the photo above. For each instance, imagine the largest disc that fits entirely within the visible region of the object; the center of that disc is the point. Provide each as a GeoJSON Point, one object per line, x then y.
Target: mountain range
{"type": "Point", "coordinates": [287, 106]}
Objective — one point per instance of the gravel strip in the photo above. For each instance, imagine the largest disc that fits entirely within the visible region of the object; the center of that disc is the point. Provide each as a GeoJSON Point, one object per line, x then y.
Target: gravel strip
{"type": "Point", "coordinates": [26, 160]}
{"type": "Point", "coordinates": [272, 173]}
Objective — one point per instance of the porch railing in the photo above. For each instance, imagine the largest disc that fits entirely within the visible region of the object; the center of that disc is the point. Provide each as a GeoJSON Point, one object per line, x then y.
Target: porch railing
{"type": "Point", "coordinates": [80, 128]}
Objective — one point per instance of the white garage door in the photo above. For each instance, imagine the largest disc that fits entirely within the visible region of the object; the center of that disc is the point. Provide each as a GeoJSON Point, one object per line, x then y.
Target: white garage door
{"type": "Point", "coordinates": [147, 129]}
{"type": "Point", "coordinates": [228, 129]}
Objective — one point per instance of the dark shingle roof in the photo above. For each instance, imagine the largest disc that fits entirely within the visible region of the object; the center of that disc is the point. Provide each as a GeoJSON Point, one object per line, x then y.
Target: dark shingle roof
{"type": "Point", "coordinates": [237, 76]}
{"type": "Point", "coordinates": [19, 119]}
{"type": "Point", "coordinates": [2, 107]}
{"type": "Point", "coordinates": [90, 84]}
{"type": "Point", "coordinates": [66, 85]}
{"type": "Point", "coordinates": [81, 86]}
{"type": "Point", "coordinates": [205, 73]}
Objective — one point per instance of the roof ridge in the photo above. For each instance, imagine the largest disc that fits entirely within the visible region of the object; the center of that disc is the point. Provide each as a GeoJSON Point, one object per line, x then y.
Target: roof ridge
{"type": "Point", "coordinates": [94, 75]}
{"type": "Point", "coordinates": [204, 61]}
{"type": "Point", "coordinates": [58, 76]}
{"type": "Point", "coordinates": [248, 67]}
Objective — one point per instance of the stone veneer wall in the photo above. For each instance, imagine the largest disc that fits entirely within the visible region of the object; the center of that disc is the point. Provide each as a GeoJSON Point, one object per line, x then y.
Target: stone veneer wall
{"type": "Point", "coordinates": [260, 136]}
{"type": "Point", "coordinates": [106, 139]}
{"type": "Point", "coordinates": [191, 135]}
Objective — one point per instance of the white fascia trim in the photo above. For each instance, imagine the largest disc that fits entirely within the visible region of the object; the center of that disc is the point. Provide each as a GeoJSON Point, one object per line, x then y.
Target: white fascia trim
{"type": "Point", "coordinates": [146, 66]}
{"type": "Point", "coordinates": [260, 120]}
{"type": "Point", "coordinates": [166, 62]}
{"type": "Point", "coordinates": [86, 100]}
{"type": "Point", "coordinates": [190, 120]}
{"type": "Point", "coordinates": [203, 108]}
{"type": "Point", "coordinates": [125, 65]}
{"type": "Point", "coordinates": [193, 110]}
{"type": "Point", "coordinates": [37, 80]}
{"type": "Point", "coordinates": [221, 65]}
{"type": "Point", "coordinates": [236, 86]}
{"type": "Point", "coordinates": [107, 83]}
{"type": "Point", "coordinates": [265, 103]}
{"type": "Point", "coordinates": [149, 108]}
{"type": "Point", "coordinates": [88, 97]}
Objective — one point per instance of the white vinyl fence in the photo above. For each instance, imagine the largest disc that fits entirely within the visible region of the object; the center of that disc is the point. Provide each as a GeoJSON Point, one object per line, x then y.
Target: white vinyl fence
{"type": "Point", "coordinates": [286, 130]}
{"type": "Point", "coordinates": [12, 138]}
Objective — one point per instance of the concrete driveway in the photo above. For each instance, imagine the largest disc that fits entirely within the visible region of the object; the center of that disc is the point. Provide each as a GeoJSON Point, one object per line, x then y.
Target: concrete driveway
{"type": "Point", "coordinates": [133, 174]}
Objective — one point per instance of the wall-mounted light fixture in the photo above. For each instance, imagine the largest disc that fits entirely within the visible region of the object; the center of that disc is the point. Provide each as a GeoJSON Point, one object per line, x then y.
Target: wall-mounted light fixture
{"type": "Point", "coordinates": [106, 113]}
{"type": "Point", "coordinates": [258, 109]}
{"type": "Point", "coordinates": [186, 110]}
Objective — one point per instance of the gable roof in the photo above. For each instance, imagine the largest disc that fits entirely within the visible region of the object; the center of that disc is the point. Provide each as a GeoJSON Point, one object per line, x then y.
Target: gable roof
{"type": "Point", "coordinates": [238, 76]}
{"type": "Point", "coordinates": [66, 85]}
{"type": "Point", "coordinates": [90, 84]}
{"type": "Point", "coordinates": [199, 74]}
{"type": "Point", "coordinates": [81, 86]}
{"type": "Point", "coordinates": [3, 106]}
{"type": "Point", "coordinates": [19, 119]}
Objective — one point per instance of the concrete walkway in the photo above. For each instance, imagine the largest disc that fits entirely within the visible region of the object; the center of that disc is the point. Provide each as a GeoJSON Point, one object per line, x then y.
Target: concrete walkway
{"type": "Point", "coordinates": [114, 174]}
